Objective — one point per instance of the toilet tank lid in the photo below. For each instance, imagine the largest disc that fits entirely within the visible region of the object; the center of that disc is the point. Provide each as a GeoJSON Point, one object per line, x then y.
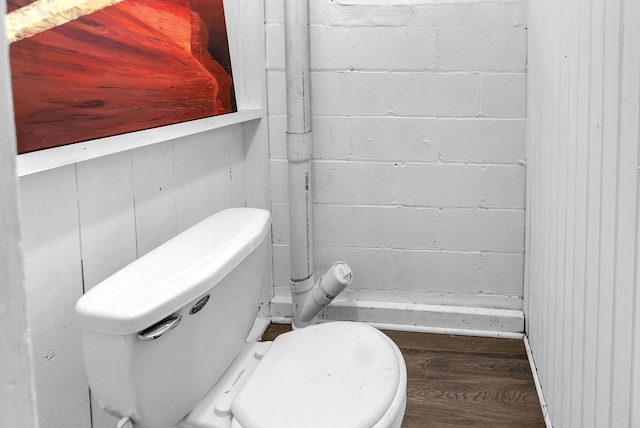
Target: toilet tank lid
{"type": "Point", "coordinates": [172, 275]}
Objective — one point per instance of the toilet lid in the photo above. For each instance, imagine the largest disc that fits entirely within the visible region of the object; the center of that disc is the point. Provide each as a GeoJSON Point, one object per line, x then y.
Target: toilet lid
{"type": "Point", "coordinates": [337, 374]}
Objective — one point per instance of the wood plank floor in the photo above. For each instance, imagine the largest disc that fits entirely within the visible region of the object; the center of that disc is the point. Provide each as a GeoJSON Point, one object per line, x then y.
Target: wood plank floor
{"type": "Point", "coordinates": [463, 381]}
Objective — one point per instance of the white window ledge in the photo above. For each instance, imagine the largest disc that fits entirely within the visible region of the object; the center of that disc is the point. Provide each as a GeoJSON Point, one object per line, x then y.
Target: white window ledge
{"type": "Point", "coordinates": [43, 160]}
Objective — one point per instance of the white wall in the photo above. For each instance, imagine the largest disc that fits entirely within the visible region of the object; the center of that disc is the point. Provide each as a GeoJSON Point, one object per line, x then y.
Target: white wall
{"type": "Point", "coordinates": [17, 390]}
{"type": "Point", "coordinates": [582, 296]}
{"type": "Point", "coordinates": [419, 137]}
{"type": "Point", "coordinates": [83, 221]}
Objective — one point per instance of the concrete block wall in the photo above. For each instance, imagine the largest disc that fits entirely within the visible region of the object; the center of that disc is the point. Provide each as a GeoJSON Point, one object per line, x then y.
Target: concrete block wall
{"type": "Point", "coordinates": [419, 136]}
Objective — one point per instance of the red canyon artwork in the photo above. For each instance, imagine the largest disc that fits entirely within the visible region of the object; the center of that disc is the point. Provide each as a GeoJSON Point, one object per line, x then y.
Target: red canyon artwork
{"type": "Point", "coordinates": [133, 65]}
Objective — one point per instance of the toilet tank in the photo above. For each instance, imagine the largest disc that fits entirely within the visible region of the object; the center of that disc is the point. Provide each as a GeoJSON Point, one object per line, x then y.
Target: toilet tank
{"type": "Point", "coordinates": [209, 277]}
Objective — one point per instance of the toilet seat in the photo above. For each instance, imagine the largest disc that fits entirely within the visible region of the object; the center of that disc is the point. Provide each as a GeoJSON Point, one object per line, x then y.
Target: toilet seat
{"type": "Point", "coordinates": [338, 374]}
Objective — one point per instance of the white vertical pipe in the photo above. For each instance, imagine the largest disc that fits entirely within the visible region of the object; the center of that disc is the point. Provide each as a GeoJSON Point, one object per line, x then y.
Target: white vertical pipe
{"type": "Point", "coordinates": [296, 36]}
{"type": "Point", "coordinates": [299, 154]}
{"type": "Point", "coordinates": [299, 139]}
{"type": "Point", "coordinates": [300, 215]}
{"type": "Point", "coordinates": [299, 151]}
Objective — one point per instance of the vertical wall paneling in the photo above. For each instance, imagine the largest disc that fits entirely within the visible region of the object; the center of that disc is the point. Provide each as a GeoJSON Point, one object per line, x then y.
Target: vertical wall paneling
{"type": "Point", "coordinates": [569, 224]}
{"type": "Point", "coordinates": [610, 141]}
{"type": "Point", "coordinates": [255, 169]}
{"type": "Point", "coordinates": [531, 186]}
{"type": "Point", "coordinates": [562, 229]}
{"type": "Point", "coordinates": [107, 218]}
{"type": "Point", "coordinates": [558, 178]}
{"type": "Point", "coordinates": [254, 93]}
{"type": "Point", "coordinates": [625, 281]}
{"type": "Point", "coordinates": [154, 195]}
{"type": "Point", "coordinates": [594, 239]}
{"type": "Point", "coordinates": [251, 174]}
{"type": "Point", "coordinates": [202, 179]}
{"type": "Point", "coordinates": [594, 49]}
{"type": "Point", "coordinates": [16, 371]}
{"type": "Point", "coordinates": [107, 228]}
{"type": "Point", "coordinates": [551, 209]}
{"type": "Point", "coordinates": [580, 59]}
{"type": "Point", "coordinates": [85, 220]}
{"type": "Point", "coordinates": [635, 372]}
{"type": "Point", "coordinates": [234, 39]}
{"type": "Point", "coordinates": [256, 190]}
{"type": "Point", "coordinates": [582, 177]}
{"type": "Point", "coordinates": [238, 171]}
{"type": "Point", "coordinates": [245, 22]}
{"type": "Point", "coordinates": [53, 278]}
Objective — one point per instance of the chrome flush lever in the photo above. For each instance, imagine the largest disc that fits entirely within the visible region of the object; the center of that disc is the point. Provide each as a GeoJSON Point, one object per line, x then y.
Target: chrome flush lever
{"type": "Point", "coordinates": [160, 328]}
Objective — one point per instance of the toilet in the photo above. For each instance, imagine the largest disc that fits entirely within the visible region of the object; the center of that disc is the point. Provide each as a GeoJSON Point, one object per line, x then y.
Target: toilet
{"type": "Point", "coordinates": [164, 343]}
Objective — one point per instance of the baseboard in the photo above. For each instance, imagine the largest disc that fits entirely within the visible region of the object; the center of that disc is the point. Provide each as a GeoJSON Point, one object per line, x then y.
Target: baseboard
{"type": "Point", "coordinates": [536, 381]}
{"type": "Point", "coordinates": [416, 317]}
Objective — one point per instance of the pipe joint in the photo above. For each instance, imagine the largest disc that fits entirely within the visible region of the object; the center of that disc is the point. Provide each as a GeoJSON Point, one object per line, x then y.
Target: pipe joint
{"type": "Point", "coordinates": [300, 291]}
{"type": "Point", "coordinates": [308, 303]}
{"type": "Point", "coordinates": [299, 147]}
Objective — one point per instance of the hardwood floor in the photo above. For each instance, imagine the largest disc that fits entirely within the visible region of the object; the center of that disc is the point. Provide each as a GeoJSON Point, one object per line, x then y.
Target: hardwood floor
{"type": "Point", "coordinates": [463, 381]}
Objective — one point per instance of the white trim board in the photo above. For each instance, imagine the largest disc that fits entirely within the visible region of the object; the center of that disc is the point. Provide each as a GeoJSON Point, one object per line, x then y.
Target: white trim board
{"type": "Point", "coordinates": [417, 317]}
{"type": "Point", "coordinates": [43, 160]}
{"type": "Point", "coordinates": [432, 330]}
{"type": "Point", "coordinates": [536, 381]}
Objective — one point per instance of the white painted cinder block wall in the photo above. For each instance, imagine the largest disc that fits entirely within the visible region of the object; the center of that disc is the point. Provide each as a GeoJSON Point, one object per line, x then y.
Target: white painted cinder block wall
{"type": "Point", "coordinates": [419, 136]}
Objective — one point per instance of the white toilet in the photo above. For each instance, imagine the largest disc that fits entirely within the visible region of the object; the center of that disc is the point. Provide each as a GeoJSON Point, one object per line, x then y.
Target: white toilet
{"type": "Point", "coordinates": [164, 344]}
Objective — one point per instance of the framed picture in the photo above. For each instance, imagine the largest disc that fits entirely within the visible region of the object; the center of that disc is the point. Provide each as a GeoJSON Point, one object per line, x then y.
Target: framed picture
{"type": "Point", "coordinates": [87, 69]}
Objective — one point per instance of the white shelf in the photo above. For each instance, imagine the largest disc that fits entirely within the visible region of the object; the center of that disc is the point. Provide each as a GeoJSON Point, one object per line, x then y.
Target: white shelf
{"type": "Point", "coordinates": [43, 160]}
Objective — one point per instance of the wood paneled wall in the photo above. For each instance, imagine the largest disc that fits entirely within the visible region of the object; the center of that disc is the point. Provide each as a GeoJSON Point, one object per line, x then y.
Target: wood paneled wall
{"type": "Point", "coordinates": [16, 365]}
{"type": "Point", "coordinates": [582, 253]}
{"type": "Point", "coordinates": [85, 221]}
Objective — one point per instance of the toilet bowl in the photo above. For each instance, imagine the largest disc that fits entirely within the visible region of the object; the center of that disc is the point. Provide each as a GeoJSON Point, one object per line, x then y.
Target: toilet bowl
{"type": "Point", "coordinates": [337, 374]}
{"type": "Point", "coordinates": [164, 344]}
